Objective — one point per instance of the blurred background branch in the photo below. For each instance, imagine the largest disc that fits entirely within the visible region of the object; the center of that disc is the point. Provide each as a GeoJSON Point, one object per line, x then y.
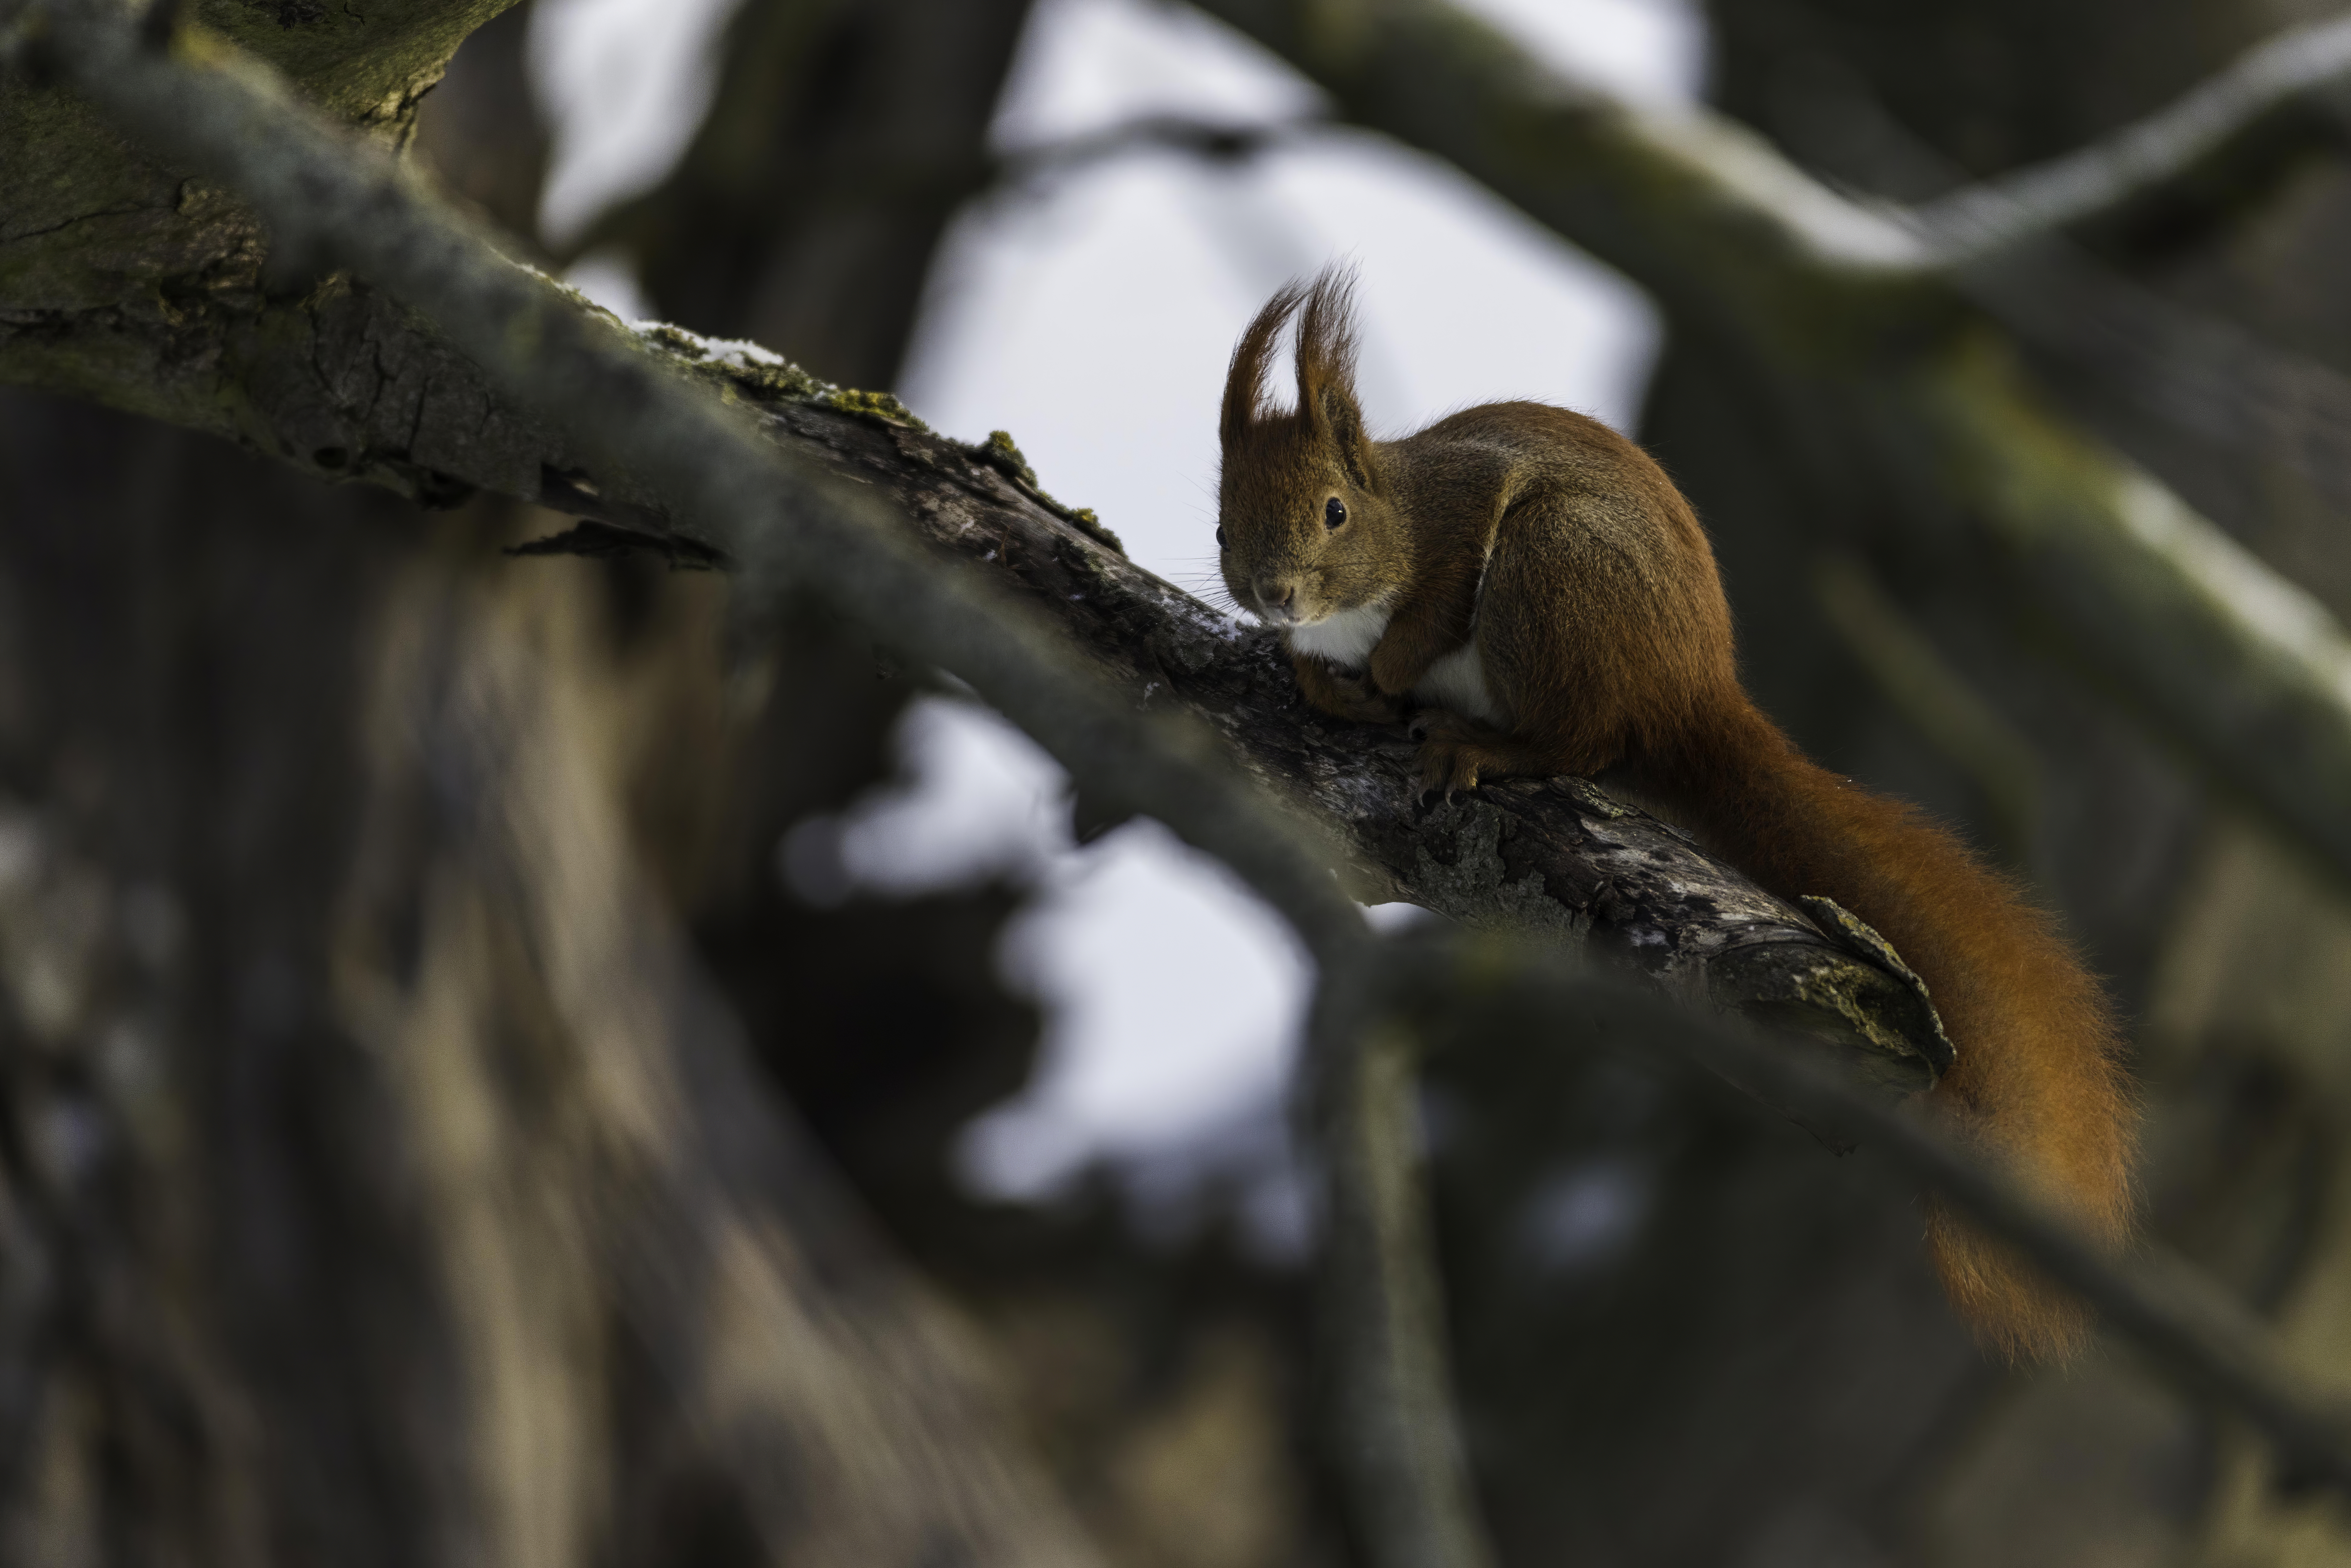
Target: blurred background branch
{"type": "Point", "coordinates": [2223, 146]}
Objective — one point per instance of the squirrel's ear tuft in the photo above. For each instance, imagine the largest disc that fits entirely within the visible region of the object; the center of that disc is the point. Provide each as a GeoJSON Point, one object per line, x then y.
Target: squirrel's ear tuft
{"type": "Point", "coordinates": [1244, 378]}
{"type": "Point", "coordinates": [1326, 371]}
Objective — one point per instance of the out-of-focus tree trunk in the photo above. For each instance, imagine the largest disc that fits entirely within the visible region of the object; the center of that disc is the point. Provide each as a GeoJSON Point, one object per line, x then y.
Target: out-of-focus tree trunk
{"type": "Point", "coordinates": [480, 133]}
{"type": "Point", "coordinates": [352, 1029]}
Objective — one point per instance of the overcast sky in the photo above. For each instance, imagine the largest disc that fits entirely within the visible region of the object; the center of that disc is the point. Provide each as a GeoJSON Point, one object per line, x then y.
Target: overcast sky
{"type": "Point", "coordinates": [1092, 317]}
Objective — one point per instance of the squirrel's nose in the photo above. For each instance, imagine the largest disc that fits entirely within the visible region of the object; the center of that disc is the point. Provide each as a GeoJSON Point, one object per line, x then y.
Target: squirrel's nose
{"type": "Point", "coordinates": [1276, 595]}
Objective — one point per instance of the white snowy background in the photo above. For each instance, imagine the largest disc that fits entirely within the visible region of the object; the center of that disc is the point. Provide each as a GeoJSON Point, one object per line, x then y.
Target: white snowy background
{"type": "Point", "coordinates": [1090, 316]}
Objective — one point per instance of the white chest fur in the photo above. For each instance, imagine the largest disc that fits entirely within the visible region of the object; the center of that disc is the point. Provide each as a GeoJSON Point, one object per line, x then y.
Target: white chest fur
{"type": "Point", "coordinates": [1345, 639]}
{"type": "Point", "coordinates": [1456, 682]}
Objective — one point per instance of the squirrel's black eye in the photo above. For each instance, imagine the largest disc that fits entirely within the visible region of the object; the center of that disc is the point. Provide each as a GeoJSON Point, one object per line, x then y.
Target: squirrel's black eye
{"type": "Point", "coordinates": [1334, 511]}
{"type": "Point", "coordinates": [1220, 536]}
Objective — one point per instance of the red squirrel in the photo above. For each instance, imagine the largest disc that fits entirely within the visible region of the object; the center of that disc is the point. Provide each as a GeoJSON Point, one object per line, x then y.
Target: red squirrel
{"type": "Point", "coordinates": [1530, 590]}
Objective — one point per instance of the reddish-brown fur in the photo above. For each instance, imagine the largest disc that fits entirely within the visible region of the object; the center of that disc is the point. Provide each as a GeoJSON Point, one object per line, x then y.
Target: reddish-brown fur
{"type": "Point", "coordinates": [1564, 556]}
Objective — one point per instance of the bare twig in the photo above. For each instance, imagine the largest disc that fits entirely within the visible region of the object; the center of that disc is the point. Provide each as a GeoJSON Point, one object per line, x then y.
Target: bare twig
{"type": "Point", "coordinates": [1220, 142]}
{"type": "Point", "coordinates": [2283, 99]}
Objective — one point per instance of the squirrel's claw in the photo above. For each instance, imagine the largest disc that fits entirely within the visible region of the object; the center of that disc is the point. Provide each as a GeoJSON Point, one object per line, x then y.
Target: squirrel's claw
{"type": "Point", "coordinates": [1448, 768]}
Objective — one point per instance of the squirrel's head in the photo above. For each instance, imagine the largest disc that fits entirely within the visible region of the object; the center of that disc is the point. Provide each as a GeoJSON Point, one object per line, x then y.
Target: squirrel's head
{"type": "Point", "coordinates": [1306, 526]}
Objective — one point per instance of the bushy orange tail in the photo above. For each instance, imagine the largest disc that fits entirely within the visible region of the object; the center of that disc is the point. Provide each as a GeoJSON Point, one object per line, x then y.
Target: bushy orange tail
{"type": "Point", "coordinates": [2038, 1082]}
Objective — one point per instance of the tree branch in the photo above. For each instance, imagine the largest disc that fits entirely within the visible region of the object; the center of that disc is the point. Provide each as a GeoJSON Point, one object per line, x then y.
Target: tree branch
{"type": "Point", "coordinates": [2202, 375]}
{"type": "Point", "coordinates": [1456, 988]}
{"type": "Point", "coordinates": [1380, 1304]}
{"type": "Point", "coordinates": [1218, 142]}
{"type": "Point", "coordinates": [2280, 101]}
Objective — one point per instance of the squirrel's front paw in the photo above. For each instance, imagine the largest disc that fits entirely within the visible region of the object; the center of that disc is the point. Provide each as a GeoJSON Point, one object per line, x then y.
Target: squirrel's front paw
{"type": "Point", "coordinates": [1444, 724]}
{"type": "Point", "coordinates": [1363, 700]}
{"type": "Point", "coordinates": [1432, 721]}
{"type": "Point", "coordinates": [1449, 765]}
